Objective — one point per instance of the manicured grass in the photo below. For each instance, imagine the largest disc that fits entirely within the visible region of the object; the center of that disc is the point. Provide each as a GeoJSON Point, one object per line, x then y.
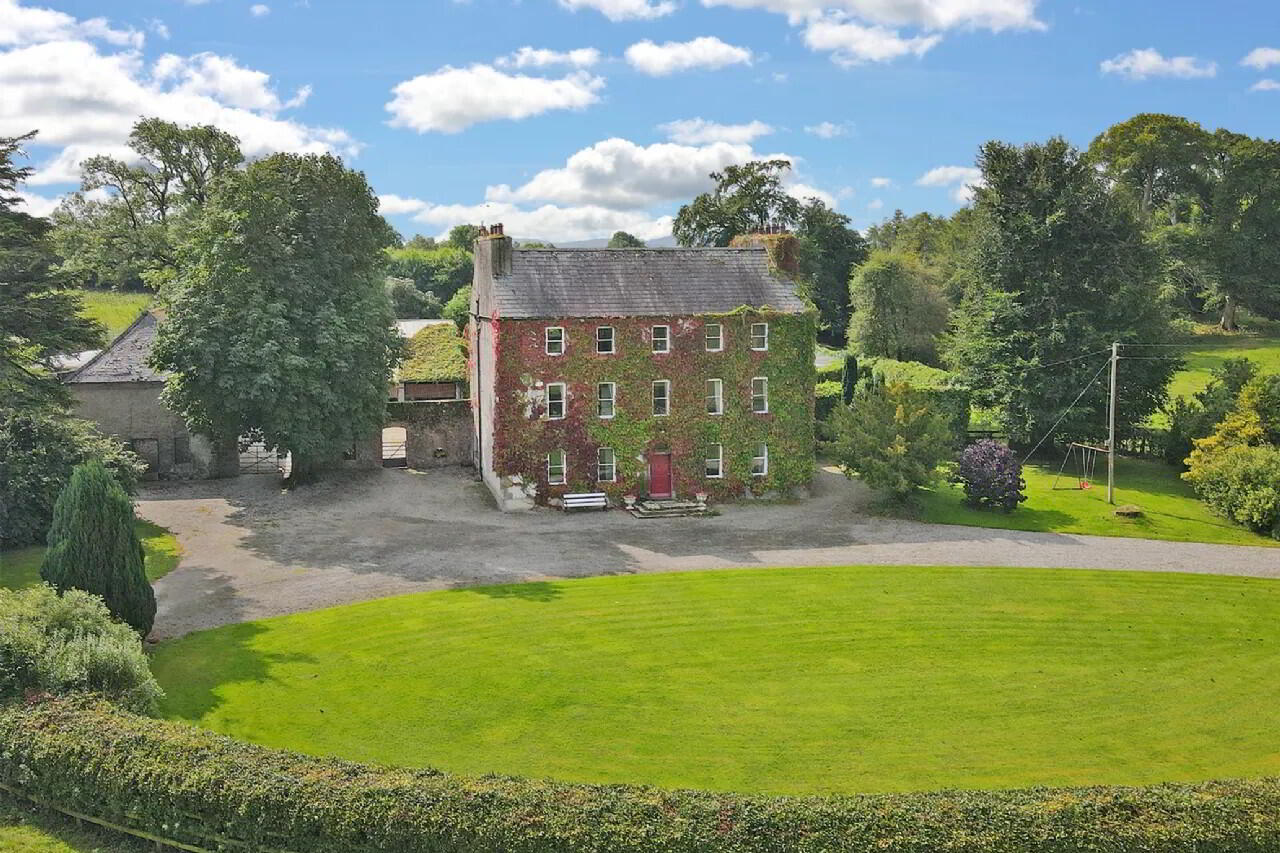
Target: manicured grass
{"type": "Point", "coordinates": [1170, 508]}
{"type": "Point", "coordinates": [114, 310]}
{"type": "Point", "coordinates": [20, 567]}
{"type": "Point", "coordinates": [24, 829]}
{"type": "Point", "coordinates": [1216, 349]}
{"type": "Point", "coordinates": [779, 680]}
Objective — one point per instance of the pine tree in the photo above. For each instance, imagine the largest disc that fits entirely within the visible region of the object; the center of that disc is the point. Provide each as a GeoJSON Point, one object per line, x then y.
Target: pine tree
{"type": "Point", "coordinates": [93, 546]}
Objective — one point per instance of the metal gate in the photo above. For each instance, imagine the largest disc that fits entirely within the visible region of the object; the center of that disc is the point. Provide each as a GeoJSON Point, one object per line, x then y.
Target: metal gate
{"type": "Point", "coordinates": [257, 458]}
{"type": "Point", "coordinates": [394, 454]}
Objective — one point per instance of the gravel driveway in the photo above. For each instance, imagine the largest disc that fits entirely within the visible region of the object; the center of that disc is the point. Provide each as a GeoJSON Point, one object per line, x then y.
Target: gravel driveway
{"type": "Point", "coordinates": [252, 550]}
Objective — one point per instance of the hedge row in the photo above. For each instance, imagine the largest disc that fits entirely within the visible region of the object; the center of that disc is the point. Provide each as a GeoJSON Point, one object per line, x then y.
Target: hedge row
{"type": "Point", "coordinates": [215, 793]}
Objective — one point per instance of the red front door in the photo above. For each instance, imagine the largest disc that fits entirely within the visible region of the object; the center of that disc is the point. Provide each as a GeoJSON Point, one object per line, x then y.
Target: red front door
{"type": "Point", "coordinates": [660, 475]}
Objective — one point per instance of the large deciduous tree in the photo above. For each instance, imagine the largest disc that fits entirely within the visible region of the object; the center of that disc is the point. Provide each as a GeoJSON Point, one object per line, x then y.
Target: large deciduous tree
{"type": "Point", "coordinates": [39, 317]}
{"type": "Point", "coordinates": [898, 310]}
{"type": "Point", "coordinates": [1061, 269]}
{"type": "Point", "coordinates": [130, 238]}
{"type": "Point", "coordinates": [829, 249]}
{"type": "Point", "coordinates": [1155, 155]}
{"type": "Point", "coordinates": [278, 323]}
{"type": "Point", "coordinates": [623, 240]}
{"type": "Point", "coordinates": [746, 199]}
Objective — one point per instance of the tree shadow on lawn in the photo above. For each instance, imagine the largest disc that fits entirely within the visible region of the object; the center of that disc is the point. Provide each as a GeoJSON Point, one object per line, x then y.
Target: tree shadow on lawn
{"type": "Point", "coordinates": [541, 591]}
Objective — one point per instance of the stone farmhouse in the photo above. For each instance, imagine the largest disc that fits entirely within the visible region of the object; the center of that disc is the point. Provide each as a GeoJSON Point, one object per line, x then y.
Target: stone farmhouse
{"type": "Point", "coordinates": [659, 373]}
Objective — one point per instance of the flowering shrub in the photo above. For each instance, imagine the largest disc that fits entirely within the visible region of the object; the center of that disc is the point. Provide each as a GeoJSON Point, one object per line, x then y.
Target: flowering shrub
{"type": "Point", "coordinates": [991, 476]}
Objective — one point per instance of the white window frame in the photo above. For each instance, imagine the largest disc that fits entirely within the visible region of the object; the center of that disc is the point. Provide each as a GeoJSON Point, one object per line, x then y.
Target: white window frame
{"type": "Point", "coordinates": [546, 340]}
{"type": "Point", "coordinates": [755, 335]}
{"type": "Point", "coordinates": [761, 460]}
{"type": "Point", "coordinates": [665, 384]}
{"type": "Point", "coordinates": [613, 340]}
{"type": "Point", "coordinates": [763, 394]}
{"type": "Point", "coordinates": [564, 400]}
{"type": "Point", "coordinates": [613, 399]}
{"type": "Point", "coordinates": [719, 460]}
{"type": "Point", "coordinates": [715, 391]}
{"type": "Point", "coordinates": [613, 465]}
{"type": "Point", "coordinates": [719, 327]}
{"type": "Point", "coordinates": [666, 338]}
{"type": "Point", "coordinates": [564, 469]}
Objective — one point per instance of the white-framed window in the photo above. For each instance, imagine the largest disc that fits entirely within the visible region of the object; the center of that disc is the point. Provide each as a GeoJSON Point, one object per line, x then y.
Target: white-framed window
{"type": "Point", "coordinates": [605, 340]}
{"type": "Point", "coordinates": [760, 336]}
{"type": "Point", "coordinates": [715, 397]}
{"type": "Point", "coordinates": [714, 469]}
{"type": "Point", "coordinates": [661, 339]}
{"type": "Point", "coordinates": [554, 340]}
{"type": "Point", "coordinates": [760, 395]}
{"type": "Point", "coordinates": [715, 337]}
{"type": "Point", "coordinates": [606, 397]}
{"type": "Point", "coordinates": [557, 463]}
{"type": "Point", "coordinates": [760, 462]}
{"type": "Point", "coordinates": [555, 401]}
{"type": "Point", "coordinates": [662, 397]}
{"type": "Point", "coordinates": [606, 465]}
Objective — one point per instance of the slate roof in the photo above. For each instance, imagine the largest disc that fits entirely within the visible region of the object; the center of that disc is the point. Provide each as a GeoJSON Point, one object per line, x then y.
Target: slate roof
{"type": "Point", "coordinates": [125, 358]}
{"type": "Point", "coordinates": [640, 283]}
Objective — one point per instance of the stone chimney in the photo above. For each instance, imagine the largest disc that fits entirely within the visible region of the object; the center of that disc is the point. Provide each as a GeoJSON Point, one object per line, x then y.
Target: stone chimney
{"type": "Point", "coordinates": [782, 246]}
{"type": "Point", "coordinates": [492, 250]}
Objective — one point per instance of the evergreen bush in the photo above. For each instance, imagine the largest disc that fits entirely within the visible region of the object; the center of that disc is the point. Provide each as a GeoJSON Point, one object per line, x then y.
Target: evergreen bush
{"type": "Point", "coordinates": [891, 438]}
{"type": "Point", "coordinates": [93, 547]}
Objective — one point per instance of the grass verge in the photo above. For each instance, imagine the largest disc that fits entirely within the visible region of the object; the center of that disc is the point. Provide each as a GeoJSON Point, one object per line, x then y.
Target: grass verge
{"type": "Point", "coordinates": [27, 829]}
{"type": "Point", "coordinates": [113, 309]}
{"type": "Point", "coordinates": [20, 567]}
{"type": "Point", "coordinates": [851, 679]}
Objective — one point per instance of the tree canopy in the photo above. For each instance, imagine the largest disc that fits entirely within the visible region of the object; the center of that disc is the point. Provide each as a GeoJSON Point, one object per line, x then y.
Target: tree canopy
{"type": "Point", "coordinates": [623, 240]}
{"type": "Point", "coordinates": [278, 322]}
{"type": "Point", "coordinates": [746, 199]}
{"type": "Point", "coordinates": [898, 310]}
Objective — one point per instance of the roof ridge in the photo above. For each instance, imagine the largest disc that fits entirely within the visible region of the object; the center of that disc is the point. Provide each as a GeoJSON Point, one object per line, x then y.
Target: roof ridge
{"type": "Point", "coordinates": [110, 345]}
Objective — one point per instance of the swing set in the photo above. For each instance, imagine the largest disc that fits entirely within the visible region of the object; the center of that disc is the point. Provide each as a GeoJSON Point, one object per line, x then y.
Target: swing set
{"type": "Point", "coordinates": [1086, 458]}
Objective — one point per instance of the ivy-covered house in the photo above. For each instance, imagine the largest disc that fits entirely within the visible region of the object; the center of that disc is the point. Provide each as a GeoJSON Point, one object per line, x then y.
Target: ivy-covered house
{"type": "Point", "coordinates": [650, 372]}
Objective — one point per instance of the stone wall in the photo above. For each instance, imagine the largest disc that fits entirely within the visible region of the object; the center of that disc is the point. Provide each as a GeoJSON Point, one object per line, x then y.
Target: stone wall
{"type": "Point", "coordinates": [438, 433]}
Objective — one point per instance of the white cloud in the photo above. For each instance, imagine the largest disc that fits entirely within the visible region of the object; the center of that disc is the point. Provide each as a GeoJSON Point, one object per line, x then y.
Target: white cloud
{"type": "Point", "coordinates": [549, 221]}
{"type": "Point", "coordinates": [1262, 58]}
{"type": "Point", "coordinates": [259, 10]}
{"type": "Point", "coordinates": [394, 205]}
{"type": "Point", "coordinates": [623, 10]}
{"type": "Point", "coordinates": [159, 27]}
{"type": "Point", "coordinates": [804, 192]}
{"type": "Point", "coordinates": [851, 43]}
{"type": "Point", "coordinates": [530, 57]}
{"type": "Point", "coordinates": [453, 99]}
{"type": "Point", "coordinates": [20, 25]}
{"type": "Point", "coordinates": [1148, 62]}
{"type": "Point", "coordinates": [961, 179]}
{"type": "Point", "coordinates": [875, 204]}
{"type": "Point", "coordinates": [827, 130]}
{"type": "Point", "coordinates": [37, 205]}
{"type": "Point", "coordinates": [85, 102]}
{"type": "Point", "coordinates": [994, 15]}
{"type": "Point", "coordinates": [699, 131]}
{"type": "Point", "coordinates": [881, 182]}
{"type": "Point", "coordinates": [668, 58]}
{"type": "Point", "coordinates": [1265, 85]}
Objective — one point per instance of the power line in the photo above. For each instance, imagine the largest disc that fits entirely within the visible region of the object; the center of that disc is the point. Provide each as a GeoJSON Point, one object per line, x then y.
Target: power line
{"type": "Point", "coordinates": [1067, 410]}
{"type": "Point", "coordinates": [1067, 360]}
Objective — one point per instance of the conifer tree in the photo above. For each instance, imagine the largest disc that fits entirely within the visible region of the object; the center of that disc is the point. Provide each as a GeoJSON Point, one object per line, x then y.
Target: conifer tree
{"type": "Point", "coordinates": [93, 546]}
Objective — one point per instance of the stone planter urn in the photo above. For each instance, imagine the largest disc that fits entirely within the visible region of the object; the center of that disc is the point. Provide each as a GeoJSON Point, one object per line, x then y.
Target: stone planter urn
{"type": "Point", "coordinates": [629, 500]}
{"type": "Point", "coordinates": [701, 498]}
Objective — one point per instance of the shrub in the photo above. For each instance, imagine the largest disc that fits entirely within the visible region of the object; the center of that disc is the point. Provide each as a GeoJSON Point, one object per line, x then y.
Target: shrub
{"type": "Point", "coordinates": [199, 788]}
{"type": "Point", "coordinates": [458, 308]}
{"type": "Point", "coordinates": [93, 547]}
{"type": "Point", "coordinates": [410, 303]}
{"type": "Point", "coordinates": [827, 397]}
{"type": "Point", "coordinates": [1242, 482]}
{"type": "Point", "coordinates": [1198, 417]}
{"type": "Point", "coordinates": [67, 643]}
{"type": "Point", "coordinates": [38, 449]}
{"type": "Point", "coordinates": [891, 438]}
{"type": "Point", "coordinates": [991, 475]}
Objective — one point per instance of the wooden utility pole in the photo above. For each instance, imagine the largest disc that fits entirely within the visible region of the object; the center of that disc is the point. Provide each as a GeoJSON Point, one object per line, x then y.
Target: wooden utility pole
{"type": "Point", "coordinates": [1111, 428]}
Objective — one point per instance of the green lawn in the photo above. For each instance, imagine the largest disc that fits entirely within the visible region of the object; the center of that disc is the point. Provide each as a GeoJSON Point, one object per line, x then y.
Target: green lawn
{"type": "Point", "coordinates": [1216, 349]}
{"type": "Point", "coordinates": [26, 829]}
{"type": "Point", "coordinates": [780, 680]}
{"type": "Point", "coordinates": [1170, 508]}
{"type": "Point", "coordinates": [114, 310]}
{"type": "Point", "coordinates": [20, 567]}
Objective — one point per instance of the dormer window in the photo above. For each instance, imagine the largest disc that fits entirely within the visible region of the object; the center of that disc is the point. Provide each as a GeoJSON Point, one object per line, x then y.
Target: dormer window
{"type": "Point", "coordinates": [555, 340]}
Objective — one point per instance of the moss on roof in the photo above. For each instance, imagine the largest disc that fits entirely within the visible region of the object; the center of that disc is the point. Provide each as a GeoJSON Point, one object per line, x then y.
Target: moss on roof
{"type": "Point", "coordinates": [434, 354]}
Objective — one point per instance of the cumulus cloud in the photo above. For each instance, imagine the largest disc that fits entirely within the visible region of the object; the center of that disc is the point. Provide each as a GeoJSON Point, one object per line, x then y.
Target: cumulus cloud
{"type": "Point", "coordinates": [961, 180]}
{"type": "Point", "coordinates": [20, 25]}
{"type": "Point", "coordinates": [699, 131]}
{"type": "Point", "coordinates": [453, 99]}
{"type": "Point", "coordinates": [881, 182]}
{"type": "Point", "coordinates": [851, 43]}
{"type": "Point", "coordinates": [804, 192]}
{"type": "Point", "coordinates": [1265, 85]}
{"type": "Point", "coordinates": [623, 10]}
{"type": "Point", "coordinates": [1142, 63]}
{"type": "Point", "coordinates": [531, 57]}
{"type": "Point", "coordinates": [704, 52]}
{"type": "Point", "coordinates": [827, 130]}
{"type": "Point", "coordinates": [994, 15]}
{"type": "Point", "coordinates": [1262, 58]}
{"type": "Point", "coordinates": [159, 27]}
{"type": "Point", "coordinates": [258, 10]}
{"type": "Point", "coordinates": [548, 221]}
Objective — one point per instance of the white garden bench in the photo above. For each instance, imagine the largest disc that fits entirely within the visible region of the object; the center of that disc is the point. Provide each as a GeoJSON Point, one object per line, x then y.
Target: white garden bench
{"type": "Point", "coordinates": [586, 500]}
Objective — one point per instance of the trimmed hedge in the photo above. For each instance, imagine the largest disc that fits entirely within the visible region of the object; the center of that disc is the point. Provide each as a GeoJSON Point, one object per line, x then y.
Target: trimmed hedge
{"type": "Point", "coordinates": [202, 789]}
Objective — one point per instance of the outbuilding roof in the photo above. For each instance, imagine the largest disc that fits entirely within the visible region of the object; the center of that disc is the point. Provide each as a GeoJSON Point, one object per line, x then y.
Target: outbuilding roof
{"type": "Point", "coordinates": [641, 283]}
{"type": "Point", "coordinates": [125, 358]}
{"type": "Point", "coordinates": [434, 354]}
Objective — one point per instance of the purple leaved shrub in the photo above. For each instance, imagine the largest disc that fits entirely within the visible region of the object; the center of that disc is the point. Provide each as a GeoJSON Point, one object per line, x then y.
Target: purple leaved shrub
{"type": "Point", "coordinates": [991, 475]}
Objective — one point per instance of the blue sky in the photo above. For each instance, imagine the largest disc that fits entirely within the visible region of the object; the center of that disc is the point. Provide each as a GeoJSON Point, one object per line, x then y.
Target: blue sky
{"type": "Point", "coordinates": [622, 106]}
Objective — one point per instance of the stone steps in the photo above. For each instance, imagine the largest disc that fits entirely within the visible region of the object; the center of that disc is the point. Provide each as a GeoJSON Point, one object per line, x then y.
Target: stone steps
{"type": "Point", "coordinates": [667, 509]}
